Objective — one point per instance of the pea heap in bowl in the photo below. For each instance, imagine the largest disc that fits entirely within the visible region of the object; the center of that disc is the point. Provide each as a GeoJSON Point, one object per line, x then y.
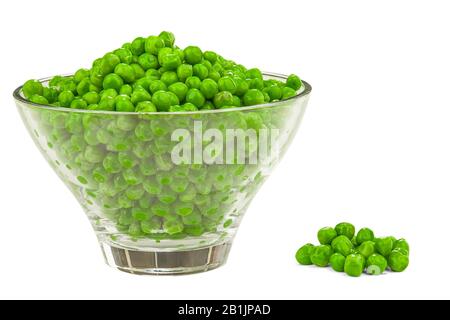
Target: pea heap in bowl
{"type": "Point", "coordinates": [152, 74]}
{"type": "Point", "coordinates": [110, 133]}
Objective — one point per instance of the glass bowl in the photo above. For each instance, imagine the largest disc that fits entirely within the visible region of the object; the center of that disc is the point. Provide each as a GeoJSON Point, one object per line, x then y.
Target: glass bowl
{"type": "Point", "coordinates": [165, 192]}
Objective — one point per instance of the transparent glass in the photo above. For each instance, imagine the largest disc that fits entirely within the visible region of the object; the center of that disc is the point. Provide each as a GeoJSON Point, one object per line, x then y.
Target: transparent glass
{"type": "Point", "coordinates": [161, 200]}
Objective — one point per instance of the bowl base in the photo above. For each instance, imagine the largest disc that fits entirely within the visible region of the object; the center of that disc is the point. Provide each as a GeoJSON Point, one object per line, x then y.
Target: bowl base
{"type": "Point", "coordinates": [166, 262]}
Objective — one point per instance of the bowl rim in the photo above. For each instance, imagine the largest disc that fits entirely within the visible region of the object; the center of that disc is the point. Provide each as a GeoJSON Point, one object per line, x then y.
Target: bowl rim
{"type": "Point", "coordinates": [305, 90]}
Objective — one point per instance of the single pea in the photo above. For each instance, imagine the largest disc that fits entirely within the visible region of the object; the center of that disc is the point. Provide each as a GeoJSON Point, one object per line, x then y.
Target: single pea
{"type": "Point", "coordinates": [50, 93]}
{"type": "Point", "coordinates": [106, 103]}
{"type": "Point", "coordinates": [91, 97]}
{"type": "Point", "coordinates": [169, 77]}
{"type": "Point", "coordinates": [139, 96]}
{"type": "Point", "coordinates": [78, 103]}
{"type": "Point", "coordinates": [303, 255]}
{"type": "Point", "coordinates": [184, 71]}
{"type": "Point", "coordinates": [320, 256]}
{"type": "Point", "coordinates": [32, 87]}
{"type": "Point", "coordinates": [124, 105]}
{"type": "Point", "coordinates": [179, 89]}
{"type": "Point", "coordinates": [223, 99]}
{"type": "Point", "coordinates": [189, 107]}
{"type": "Point", "coordinates": [227, 83]}
{"type": "Point", "coordinates": [288, 93]}
{"type": "Point", "coordinates": [148, 61]}
{"type": "Point", "coordinates": [354, 265]}
{"type": "Point", "coordinates": [365, 234]}
{"type": "Point", "coordinates": [193, 82]}
{"type": "Point", "coordinates": [168, 38]}
{"type": "Point", "coordinates": [195, 97]}
{"type": "Point", "coordinates": [200, 71]}
{"type": "Point", "coordinates": [345, 229]}
{"type": "Point", "coordinates": [367, 248]}
{"type": "Point", "coordinates": [65, 98]}
{"type": "Point", "coordinates": [256, 84]}
{"type": "Point", "coordinates": [171, 61]}
{"type": "Point", "coordinates": [253, 97]}
{"type": "Point", "coordinates": [254, 73]}
{"type": "Point", "coordinates": [214, 75]}
{"type": "Point", "coordinates": [384, 246]}
{"type": "Point", "coordinates": [125, 71]}
{"type": "Point", "coordinates": [112, 81]}
{"type": "Point", "coordinates": [401, 243]}
{"type": "Point", "coordinates": [208, 105]}
{"type": "Point", "coordinates": [337, 262]}
{"type": "Point", "coordinates": [241, 86]}
{"type": "Point", "coordinates": [210, 56]}
{"type": "Point", "coordinates": [294, 82]}
{"type": "Point", "coordinates": [157, 85]}
{"type": "Point", "coordinates": [376, 264]}
{"type": "Point", "coordinates": [138, 46]}
{"type": "Point", "coordinates": [402, 251]}
{"type": "Point", "coordinates": [153, 44]}
{"type": "Point", "coordinates": [81, 74]}
{"type": "Point", "coordinates": [163, 100]}
{"type": "Point", "coordinates": [326, 235]}
{"type": "Point", "coordinates": [38, 99]}
{"type": "Point", "coordinates": [110, 61]}
{"type": "Point", "coordinates": [398, 261]}
{"type": "Point", "coordinates": [193, 55]}
{"type": "Point", "coordinates": [342, 245]}
{"type": "Point", "coordinates": [146, 106]}
{"type": "Point", "coordinates": [139, 72]}
{"type": "Point", "coordinates": [126, 89]}
{"type": "Point", "coordinates": [209, 88]}
{"type": "Point", "coordinates": [274, 92]}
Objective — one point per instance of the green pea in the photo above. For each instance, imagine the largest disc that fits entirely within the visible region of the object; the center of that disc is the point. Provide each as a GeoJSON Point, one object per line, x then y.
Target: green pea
{"type": "Point", "coordinates": [337, 262]}
{"type": "Point", "coordinates": [184, 71]}
{"type": "Point", "coordinates": [157, 85]}
{"type": "Point", "coordinates": [214, 75]}
{"type": "Point", "coordinates": [153, 44]}
{"type": "Point", "coordinates": [227, 83]}
{"type": "Point", "coordinates": [294, 82]}
{"type": "Point", "coordinates": [254, 73]}
{"type": "Point", "coordinates": [124, 105]}
{"type": "Point", "coordinates": [179, 89]}
{"type": "Point", "coordinates": [170, 61]}
{"type": "Point", "coordinates": [326, 235]}
{"type": "Point", "coordinates": [365, 234]}
{"type": "Point", "coordinates": [367, 248]}
{"type": "Point", "coordinates": [138, 46]}
{"type": "Point", "coordinates": [274, 92]}
{"type": "Point", "coordinates": [50, 93]}
{"type": "Point", "coordinates": [256, 84]}
{"type": "Point", "coordinates": [223, 99]}
{"type": "Point", "coordinates": [342, 245]}
{"type": "Point", "coordinates": [210, 56]}
{"type": "Point", "coordinates": [91, 97]}
{"type": "Point", "coordinates": [354, 265]}
{"type": "Point", "coordinates": [31, 88]}
{"type": "Point", "coordinates": [402, 244]}
{"type": "Point", "coordinates": [163, 100]}
{"type": "Point", "coordinates": [81, 74]}
{"type": "Point", "coordinates": [107, 103]}
{"type": "Point", "coordinates": [193, 82]}
{"type": "Point", "coordinates": [168, 38]}
{"type": "Point", "coordinates": [193, 55]}
{"type": "Point", "coordinates": [384, 246]}
{"type": "Point", "coordinates": [303, 255]}
{"type": "Point", "coordinates": [169, 77]}
{"type": "Point", "coordinates": [345, 229]}
{"type": "Point", "coordinates": [398, 261]}
{"type": "Point", "coordinates": [78, 103]}
{"type": "Point", "coordinates": [253, 97]}
{"type": "Point", "coordinates": [200, 71]}
{"type": "Point", "coordinates": [146, 106]}
{"type": "Point", "coordinates": [140, 96]}
{"type": "Point", "coordinates": [112, 81]}
{"type": "Point", "coordinates": [376, 264]}
{"type": "Point", "coordinates": [241, 86]}
{"type": "Point", "coordinates": [320, 256]}
{"type": "Point", "coordinates": [195, 97]}
{"type": "Point", "coordinates": [288, 93]}
{"type": "Point", "coordinates": [126, 72]}
{"type": "Point", "coordinates": [65, 98]}
{"type": "Point", "coordinates": [139, 72]}
{"type": "Point", "coordinates": [38, 99]}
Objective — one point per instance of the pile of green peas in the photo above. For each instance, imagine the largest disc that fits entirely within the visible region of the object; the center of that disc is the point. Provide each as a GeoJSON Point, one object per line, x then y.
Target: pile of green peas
{"type": "Point", "coordinates": [353, 254]}
{"type": "Point", "coordinates": [154, 75]}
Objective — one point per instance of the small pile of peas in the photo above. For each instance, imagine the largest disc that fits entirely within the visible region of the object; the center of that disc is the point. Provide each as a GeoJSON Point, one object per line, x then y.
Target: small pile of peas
{"type": "Point", "coordinates": [154, 75]}
{"type": "Point", "coordinates": [353, 254]}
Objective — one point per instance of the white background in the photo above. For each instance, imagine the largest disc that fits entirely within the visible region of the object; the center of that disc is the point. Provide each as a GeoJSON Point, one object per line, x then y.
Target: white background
{"type": "Point", "coordinates": [373, 148]}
